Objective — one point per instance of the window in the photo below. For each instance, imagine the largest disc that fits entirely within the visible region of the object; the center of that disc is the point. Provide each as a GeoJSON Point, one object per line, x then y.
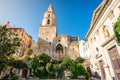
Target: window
{"type": "Point", "coordinates": [48, 21]}
{"type": "Point", "coordinates": [73, 38]}
{"type": "Point", "coordinates": [119, 7]}
{"type": "Point", "coordinates": [48, 15]}
{"type": "Point", "coordinates": [94, 38]}
{"type": "Point", "coordinates": [97, 49]}
{"type": "Point", "coordinates": [59, 40]}
{"type": "Point", "coordinates": [73, 49]}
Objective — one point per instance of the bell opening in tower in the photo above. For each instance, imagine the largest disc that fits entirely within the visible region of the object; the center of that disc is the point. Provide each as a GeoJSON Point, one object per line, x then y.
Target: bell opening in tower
{"type": "Point", "coordinates": [48, 21]}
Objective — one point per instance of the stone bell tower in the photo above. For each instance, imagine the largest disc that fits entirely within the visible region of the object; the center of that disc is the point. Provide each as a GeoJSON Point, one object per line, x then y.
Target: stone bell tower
{"type": "Point", "coordinates": [47, 31]}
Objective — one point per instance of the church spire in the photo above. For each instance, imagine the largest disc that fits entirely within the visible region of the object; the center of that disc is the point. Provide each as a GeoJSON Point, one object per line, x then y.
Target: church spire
{"type": "Point", "coordinates": [50, 8]}
{"type": "Point", "coordinates": [49, 17]}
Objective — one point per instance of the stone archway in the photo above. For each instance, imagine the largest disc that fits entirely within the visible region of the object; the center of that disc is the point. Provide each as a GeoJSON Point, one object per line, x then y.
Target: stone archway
{"type": "Point", "coordinates": [59, 50]}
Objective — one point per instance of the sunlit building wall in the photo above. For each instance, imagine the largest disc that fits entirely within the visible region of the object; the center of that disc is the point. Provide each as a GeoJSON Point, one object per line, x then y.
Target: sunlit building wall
{"type": "Point", "coordinates": [104, 50]}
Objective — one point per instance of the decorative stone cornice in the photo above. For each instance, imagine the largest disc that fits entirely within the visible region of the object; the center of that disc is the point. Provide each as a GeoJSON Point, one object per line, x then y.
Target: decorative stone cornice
{"type": "Point", "coordinates": [108, 40]}
{"type": "Point", "coordinates": [98, 13]}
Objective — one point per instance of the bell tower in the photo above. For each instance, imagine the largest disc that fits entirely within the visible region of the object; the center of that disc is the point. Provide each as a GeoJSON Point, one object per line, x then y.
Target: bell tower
{"type": "Point", "coordinates": [47, 31]}
{"type": "Point", "coordinates": [49, 17]}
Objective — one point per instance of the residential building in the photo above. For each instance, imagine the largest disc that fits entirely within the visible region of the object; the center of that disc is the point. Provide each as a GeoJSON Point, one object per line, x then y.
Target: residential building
{"type": "Point", "coordinates": [25, 39]}
{"type": "Point", "coordinates": [25, 45]}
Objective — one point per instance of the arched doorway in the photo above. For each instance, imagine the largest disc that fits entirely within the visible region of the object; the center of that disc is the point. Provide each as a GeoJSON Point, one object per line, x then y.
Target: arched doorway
{"type": "Point", "coordinates": [24, 73]}
{"type": "Point", "coordinates": [115, 58]}
{"type": "Point", "coordinates": [59, 50]}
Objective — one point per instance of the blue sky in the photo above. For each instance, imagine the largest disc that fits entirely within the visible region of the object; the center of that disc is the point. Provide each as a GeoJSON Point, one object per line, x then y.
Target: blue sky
{"type": "Point", "coordinates": [73, 16]}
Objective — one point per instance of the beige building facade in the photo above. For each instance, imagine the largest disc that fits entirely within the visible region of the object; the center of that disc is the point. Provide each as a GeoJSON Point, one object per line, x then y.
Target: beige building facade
{"type": "Point", "coordinates": [103, 48]}
{"type": "Point", "coordinates": [53, 44]}
{"type": "Point", "coordinates": [25, 39]}
{"type": "Point", "coordinates": [25, 44]}
{"type": "Point", "coordinates": [84, 49]}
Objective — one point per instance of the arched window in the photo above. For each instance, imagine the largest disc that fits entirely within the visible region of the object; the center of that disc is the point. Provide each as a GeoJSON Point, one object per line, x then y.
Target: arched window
{"type": "Point", "coordinates": [48, 21]}
{"type": "Point", "coordinates": [48, 15]}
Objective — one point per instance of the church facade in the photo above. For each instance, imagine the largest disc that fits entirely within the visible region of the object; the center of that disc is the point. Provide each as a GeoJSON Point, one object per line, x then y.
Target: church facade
{"type": "Point", "coordinates": [103, 47]}
{"type": "Point", "coordinates": [53, 44]}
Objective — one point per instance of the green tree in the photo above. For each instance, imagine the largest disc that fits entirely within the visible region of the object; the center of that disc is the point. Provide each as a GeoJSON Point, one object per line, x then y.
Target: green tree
{"type": "Point", "coordinates": [3, 63]}
{"type": "Point", "coordinates": [33, 65]}
{"type": "Point", "coordinates": [40, 66]}
{"type": "Point", "coordinates": [79, 70]}
{"type": "Point", "coordinates": [117, 29]}
{"type": "Point", "coordinates": [74, 66]}
{"type": "Point", "coordinates": [67, 63]}
{"type": "Point", "coordinates": [49, 67]}
{"type": "Point", "coordinates": [26, 54]}
{"type": "Point", "coordinates": [11, 76]}
{"type": "Point", "coordinates": [9, 43]}
{"type": "Point", "coordinates": [79, 60]}
{"type": "Point", "coordinates": [57, 69]}
{"type": "Point", "coordinates": [50, 70]}
{"type": "Point", "coordinates": [44, 59]}
{"type": "Point", "coordinates": [18, 64]}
